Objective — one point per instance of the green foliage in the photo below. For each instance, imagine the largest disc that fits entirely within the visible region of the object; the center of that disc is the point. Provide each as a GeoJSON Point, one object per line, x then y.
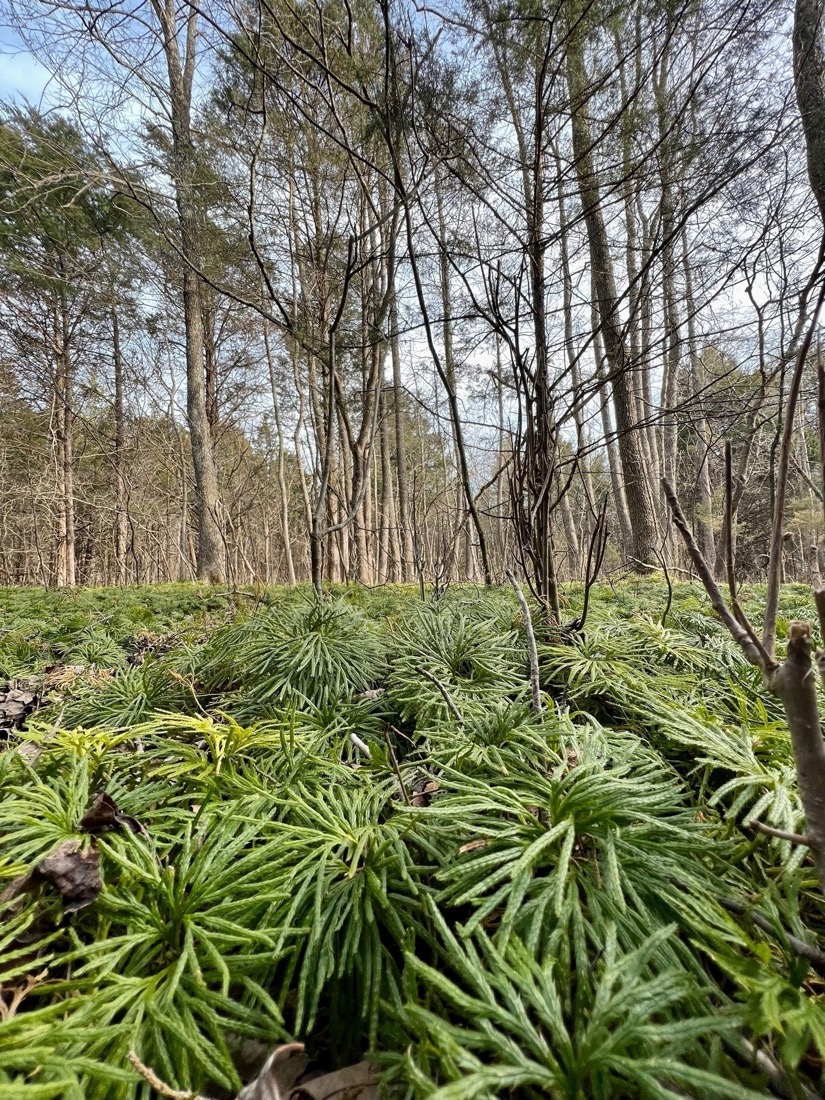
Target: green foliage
{"type": "Point", "coordinates": [494, 903]}
{"type": "Point", "coordinates": [129, 697]}
{"type": "Point", "coordinates": [309, 652]}
{"type": "Point", "coordinates": [469, 655]}
{"type": "Point", "coordinates": [517, 1035]}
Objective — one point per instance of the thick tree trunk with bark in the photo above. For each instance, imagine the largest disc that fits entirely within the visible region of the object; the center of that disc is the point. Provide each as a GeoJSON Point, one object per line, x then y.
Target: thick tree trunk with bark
{"type": "Point", "coordinates": [211, 552]}
{"type": "Point", "coordinates": [809, 71]}
{"type": "Point", "coordinates": [613, 460]}
{"type": "Point", "coordinates": [637, 488]}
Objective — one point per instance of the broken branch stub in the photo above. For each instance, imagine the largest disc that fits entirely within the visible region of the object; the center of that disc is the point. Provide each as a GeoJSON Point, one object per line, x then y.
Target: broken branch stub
{"type": "Point", "coordinates": [794, 683]}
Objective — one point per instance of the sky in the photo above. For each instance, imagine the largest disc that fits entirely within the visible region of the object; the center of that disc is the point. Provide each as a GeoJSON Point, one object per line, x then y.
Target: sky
{"type": "Point", "coordinates": [21, 75]}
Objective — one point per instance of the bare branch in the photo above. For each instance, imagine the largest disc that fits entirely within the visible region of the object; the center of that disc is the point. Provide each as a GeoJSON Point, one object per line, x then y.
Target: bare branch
{"type": "Point", "coordinates": [748, 643]}
{"type": "Point", "coordinates": [532, 651]}
{"type": "Point", "coordinates": [779, 834]}
{"type": "Point", "coordinates": [445, 695]}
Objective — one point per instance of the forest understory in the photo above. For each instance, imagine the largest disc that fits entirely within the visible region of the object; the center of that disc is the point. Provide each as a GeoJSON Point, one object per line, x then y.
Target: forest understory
{"type": "Point", "coordinates": [236, 821]}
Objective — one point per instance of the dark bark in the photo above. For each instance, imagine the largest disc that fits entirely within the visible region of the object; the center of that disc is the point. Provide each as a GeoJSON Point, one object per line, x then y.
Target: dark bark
{"type": "Point", "coordinates": [809, 72]}
{"type": "Point", "coordinates": [795, 684]}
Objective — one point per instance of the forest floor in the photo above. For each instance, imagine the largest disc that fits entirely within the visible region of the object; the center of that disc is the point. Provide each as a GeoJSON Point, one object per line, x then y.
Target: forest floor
{"type": "Point", "coordinates": [231, 822]}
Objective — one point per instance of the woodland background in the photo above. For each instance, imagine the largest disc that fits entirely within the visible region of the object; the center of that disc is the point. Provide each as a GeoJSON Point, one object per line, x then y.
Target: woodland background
{"type": "Point", "coordinates": [384, 292]}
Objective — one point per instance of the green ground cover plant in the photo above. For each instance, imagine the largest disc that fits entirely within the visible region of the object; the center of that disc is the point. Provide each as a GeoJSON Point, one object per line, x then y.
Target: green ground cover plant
{"type": "Point", "coordinates": [241, 819]}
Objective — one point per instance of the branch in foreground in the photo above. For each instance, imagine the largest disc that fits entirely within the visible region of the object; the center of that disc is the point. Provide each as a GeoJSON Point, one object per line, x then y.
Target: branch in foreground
{"type": "Point", "coordinates": [445, 695]}
{"type": "Point", "coordinates": [532, 650]}
{"type": "Point", "coordinates": [748, 642]}
{"type": "Point", "coordinates": [779, 834]}
{"type": "Point", "coordinates": [793, 682]}
{"type": "Point", "coordinates": [773, 1071]}
{"type": "Point", "coordinates": [805, 950]}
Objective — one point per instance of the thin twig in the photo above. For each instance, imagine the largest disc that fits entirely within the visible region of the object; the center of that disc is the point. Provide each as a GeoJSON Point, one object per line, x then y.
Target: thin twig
{"type": "Point", "coordinates": [730, 561]}
{"type": "Point", "coordinates": [780, 834]}
{"type": "Point", "coordinates": [729, 524]}
{"type": "Point", "coordinates": [362, 746]}
{"type": "Point", "coordinates": [805, 950]}
{"type": "Point", "coordinates": [18, 994]}
{"type": "Point", "coordinates": [532, 650]}
{"type": "Point", "coordinates": [773, 1071]}
{"type": "Point", "coordinates": [777, 533]}
{"type": "Point", "coordinates": [453, 709]}
{"type": "Point", "coordinates": [595, 559]}
{"type": "Point", "coordinates": [161, 1086]}
{"type": "Point", "coordinates": [747, 640]}
{"type": "Point", "coordinates": [396, 769]}
{"type": "Point", "coordinates": [669, 583]}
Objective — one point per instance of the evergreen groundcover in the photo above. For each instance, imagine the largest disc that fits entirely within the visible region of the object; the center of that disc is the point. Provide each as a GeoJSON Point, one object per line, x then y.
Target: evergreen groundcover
{"type": "Point", "coordinates": [241, 819]}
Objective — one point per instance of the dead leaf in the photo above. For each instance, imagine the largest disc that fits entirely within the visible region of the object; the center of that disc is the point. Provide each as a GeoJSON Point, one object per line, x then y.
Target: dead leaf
{"type": "Point", "coordinates": [282, 1078]}
{"type": "Point", "coordinates": [280, 1071]}
{"type": "Point", "coordinates": [358, 1082]}
{"type": "Point", "coordinates": [423, 790]}
{"type": "Point", "coordinates": [12, 996]}
{"type": "Point", "coordinates": [16, 704]}
{"type": "Point", "coordinates": [104, 814]}
{"type": "Point", "coordinates": [72, 871]}
{"type": "Point", "coordinates": [15, 888]}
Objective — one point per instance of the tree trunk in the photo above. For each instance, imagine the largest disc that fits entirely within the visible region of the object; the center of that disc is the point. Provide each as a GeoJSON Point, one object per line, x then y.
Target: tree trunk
{"type": "Point", "coordinates": [390, 545]}
{"type": "Point", "coordinates": [701, 463]}
{"type": "Point", "coordinates": [211, 552]}
{"type": "Point", "coordinates": [637, 489]}
{"type": "Point", "coordinates": [569, 343]}
{"type": "Point", "coordinates": [406, 561]}
{"type": "Point", "coordinates": [809, 70]}
{"type": "Point", "coordinates": [282, 487]}
{"type": "Point", "coordinates": [613, 460]}
{"type": "Point", "coordinates": [121, 516]}
{"type": "Point", "coordinates": [673, 339]}
{"type": "Point", "coordinates": [66, 569]}
{"type": "Point", "coordinates": [638, 293]}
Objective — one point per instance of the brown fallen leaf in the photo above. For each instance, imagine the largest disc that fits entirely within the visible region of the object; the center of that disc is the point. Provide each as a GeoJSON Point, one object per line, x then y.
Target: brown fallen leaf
{"type": "Point", "coordinates": [358, 1082]}
{"type": "Point", "coordinates": [16, 704]}
{"type": "Point", "coordinates": [280, 1079]}
{"type": "Point", "coordinates": [103, 814]}
{"type": "Point", "coordinates": [12, 996]}
{"type": "Point", "coordinates": [423, 791]}
{"type": "Point", "coordinates": [72, 871]}
{"type": "Point", "coordinates": [370, 693]}
{"type": "Point", "coordinates": [15, 888]}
